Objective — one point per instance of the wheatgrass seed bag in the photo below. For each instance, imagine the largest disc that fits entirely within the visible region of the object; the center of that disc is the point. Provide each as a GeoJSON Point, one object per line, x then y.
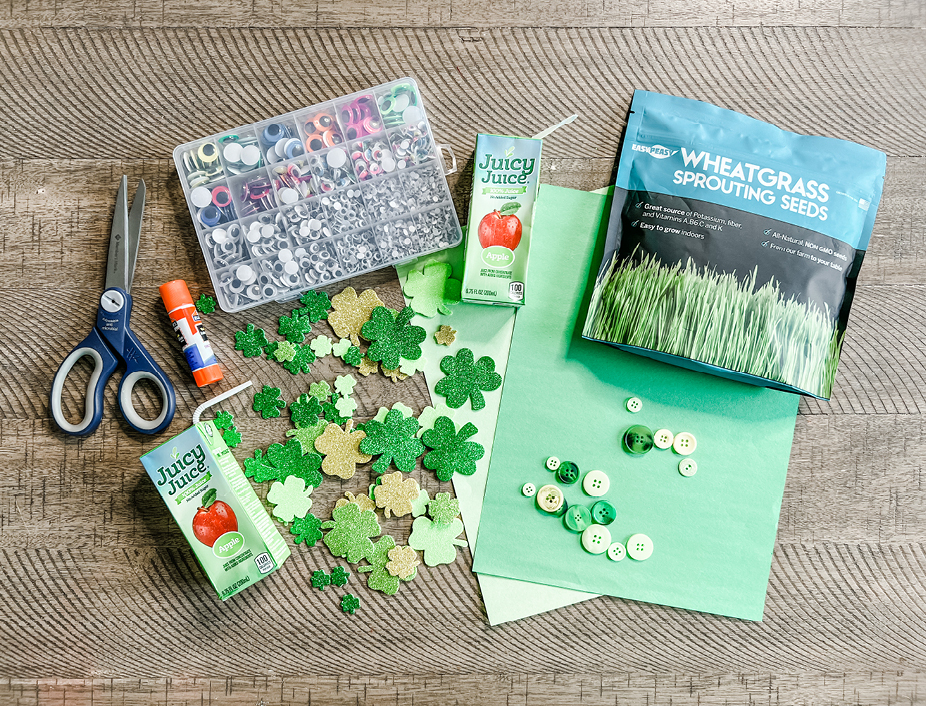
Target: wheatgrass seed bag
{"type": "Point", "coordinates": [733, 246]}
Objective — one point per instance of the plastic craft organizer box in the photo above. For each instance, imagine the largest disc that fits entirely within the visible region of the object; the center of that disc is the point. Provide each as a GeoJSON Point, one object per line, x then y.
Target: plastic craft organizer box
{"type": "Point", "coordinates": [318, 195]}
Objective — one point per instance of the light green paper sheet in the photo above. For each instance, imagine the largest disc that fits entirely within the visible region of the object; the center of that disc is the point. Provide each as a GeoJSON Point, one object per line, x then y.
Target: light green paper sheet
{"type": "Point", "coordinates": [714, 533]}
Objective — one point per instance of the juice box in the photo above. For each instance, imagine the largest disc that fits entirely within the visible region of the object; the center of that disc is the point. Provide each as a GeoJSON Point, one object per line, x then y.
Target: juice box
{"type": "Point", "coordinates": [218, 511]}
{"type": "Point", "coordinates": [506, 177]}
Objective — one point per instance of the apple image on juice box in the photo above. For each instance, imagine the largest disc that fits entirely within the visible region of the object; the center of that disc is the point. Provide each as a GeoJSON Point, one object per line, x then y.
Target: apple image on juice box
{"type": "Point", "coordinates": [506, 177]}
{"type": "Point", "coordinates": [220, 515]}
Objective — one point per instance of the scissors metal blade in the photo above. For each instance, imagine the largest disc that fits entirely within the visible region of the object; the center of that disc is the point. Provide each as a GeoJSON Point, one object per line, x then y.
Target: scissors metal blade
{"type": "Point", "coordinates": [135, 216]}
{"type": "Point", "coordinates": [117, 264]}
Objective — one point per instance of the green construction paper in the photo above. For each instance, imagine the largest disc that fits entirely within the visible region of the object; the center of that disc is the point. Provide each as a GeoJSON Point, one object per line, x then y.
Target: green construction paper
{"type": "Point", "coordinates": [714, 533]}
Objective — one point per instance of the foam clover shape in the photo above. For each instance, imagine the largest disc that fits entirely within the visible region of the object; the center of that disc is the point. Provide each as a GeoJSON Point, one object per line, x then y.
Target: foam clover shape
{"type": "Point", "coordinates": [443, 508]}
{"type": "Point", "coordinates": [451, 453]}
{"type": "Point", "coordinates": [283, 461]}
{"type": "Point", "coordinates": [430, 414]}
{"type": "Point", "coordinates": [394, 374]}
{"type": "Point", "coordinates": [294, 327]}
{"type": "Point", "coordinates": [305, 411]}
{"type": "Point", "coordinates": [333, 412]}
{"type": "Point", "coordinates": [349, 533]}
{"type": "Point", "coordinates": [349, 603]}
{"type": "Point", "coordinates": [394, 441]}
{"type": "Point", "coordinates": [301, 361]}
{"type": "Point", "coordinates": [268, 402]}
{"type": "Point", "coordinates": [284, 351]}
{"type": "Point", "coordinates": [379, 578]}
{"type": "Point", "coordinates": [321, 390]}
{"type": "Point", "coordinates": [342, 450]}
{"type": "Point", "coordinates": [467, 380]}
{"type": "Point", "coordinates": [351, 312]}
{"type": "Point", "coordinates": [393, 338]}
{"type": "Point", "coordinates": [307, 435]}
{"type": "Point", "coordinates": [420, 504]}
{"type": "Point", "coordinates": [320, 579]}
{"type": "Point", "coordinates": [231, 437]}
{"type": "Point", "coordinates": [396, 495]}
{"type": "Point", "coordinates": [344, 384]}
{"type": "Point", "coordinates": [345, 406]}
{"type": "Point", "coordinates": [321, 346]}
{"type": "Point", "coordinates": [306, 529]}
{"type": "Point", "coordinates": [403, 562]}
{"type": "Point", "coordinates": [341, 347]}
{"type": "Point", "coordinates": [205, 304]}
{"type": "Point", "coordinates": [438, 541]}
{"type": "Point", "coordinates": [224, 420]}
{"type": "Point", "coordinates": [315, 306]}
{"type": "Point", "coordinates": [251, 341]}
{"type": "Point", "coordinates": [367, 366]}
{"type": "Point", "coordinates": [444, 336]}
{"type": "Point", "coordinates": [353, 356]}
{"type": "Point", "coordinates": [339, 576]}
{"type": "Point", "coordinates": [432, 291]}
{"type": "Point", "coordinates": [290, 498]}
{"type": "Point", "coordinates": [362, 501]}
{"type": "Point", "coordinates": [259, 468]}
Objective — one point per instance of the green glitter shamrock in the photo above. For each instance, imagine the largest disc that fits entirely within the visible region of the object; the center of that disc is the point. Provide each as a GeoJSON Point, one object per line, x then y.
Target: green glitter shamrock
{"type": "Point", "coordinates": [268, 402]}
{"type": "Point", "coordinates": [350, 532]}
{"type": "Point", "coordinates": [301, 361]}
{"type": "Point", "coordinates": [466, 380]}
{"type": "Point", "coordinates": [349, 603]}
{"type": "Point", "coordinates": [393, 338]}
{"type": "Point", "coordinates": [345, 407]}
{"type": "Point", "coordinates": [332, 412]}
{"type": "Point", "coordinates": [380, 579]}
{"type": "Point", "coordinates": [431, 290]}
{"type": "Point", "coordinates": [251, 341]}
{"type": "Point", "coordinates": [305, 411]}
{"type": "Point", "coordinates": [353, 356]}
{"type": "Point", "coordinates": [321, 390]}
{"type": "Point", "coordinates": [339, 576]}
{"type": "Point", "coordinates": [451, 451]}
{"type": "Point", "coordinates": [320, 579]}
{"type": "Point", "coordinates": [430, 414]}
{"type": "Point", "coordinates": [306, 529]}
{"type": "Point", "coordinates": [283, 351]}
{"type": "Point", "coordinates": [270, 349]}
{"type": "Point", "coordinates": [443, 508]}
{"type": "Point", "coordinates": [394, 441]}
{"type": "Point", "coordinates": [438, 541]}
{"type": "Point", "coordinates": [283, 461]}
{"type": "Point", "coordinates": [344, 384]}
{"type": "Point", "coordinates": [231, 437]}
{"type": "Point", "coordinates": [315, 306]}
{"type": "Point", "coordinates": [307, 435]}
{"type": "Point", "coordinates": [224, 420]}
{"type": "Point", "coordinates": [321, 346]}
{"type": "Point", "coordinates": [205, 304]}
{"type": "Point", "coordinates": [294, 327]}
{"type": "Point", "coordinates": [341, 347]}
{"type": "Point", "coordinates": [290, 498]}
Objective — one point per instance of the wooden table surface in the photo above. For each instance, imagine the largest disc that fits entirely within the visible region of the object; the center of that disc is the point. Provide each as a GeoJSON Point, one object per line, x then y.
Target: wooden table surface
{"type": "Point", "coordinates": [102, 602]}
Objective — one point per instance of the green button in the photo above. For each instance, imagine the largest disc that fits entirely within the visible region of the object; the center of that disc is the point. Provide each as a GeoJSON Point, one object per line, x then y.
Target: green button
{"type": "Point", "coordinates": [578, 518]}
{"type": "Point", "coordinates": [568, 473]}
{"type": "Point", "coordinates": [638, 440]}
{"type": "Point", "coordinates": [604, 512]}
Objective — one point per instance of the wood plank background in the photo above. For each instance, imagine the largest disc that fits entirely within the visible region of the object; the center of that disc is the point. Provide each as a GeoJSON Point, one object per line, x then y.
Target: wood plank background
{"type": "Point", "coordinates": [102, 600]}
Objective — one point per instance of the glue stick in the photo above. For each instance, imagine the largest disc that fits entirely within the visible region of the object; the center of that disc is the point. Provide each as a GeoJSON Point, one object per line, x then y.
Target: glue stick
{"type": "Point", "coordinates": [189, 327]}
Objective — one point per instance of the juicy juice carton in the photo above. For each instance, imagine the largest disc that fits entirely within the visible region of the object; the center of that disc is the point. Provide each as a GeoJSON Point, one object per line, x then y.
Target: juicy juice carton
{"type": "Point", "coordinates": [218, 511]}
{"type": "Point", "coordinates": [501, 212]}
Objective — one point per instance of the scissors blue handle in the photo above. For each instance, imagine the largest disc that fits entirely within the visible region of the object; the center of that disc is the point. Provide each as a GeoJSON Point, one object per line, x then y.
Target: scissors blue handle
{"type": "Point", "coordinates": [109, 341]}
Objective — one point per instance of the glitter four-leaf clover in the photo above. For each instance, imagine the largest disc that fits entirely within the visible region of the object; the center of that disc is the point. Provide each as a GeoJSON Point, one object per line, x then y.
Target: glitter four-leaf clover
{"type": "Point", "coordinates": [396, 494]}
{"type": "Point", "coordinates": [306, 529]}
{"type": "Point", "coordinates": [451, 453]}
{"type": "Point", "coordinates": [467, 380]}
{"type": "Point", "coordinates": [205, 304]}
{"type": "Point", "coordinates": [294, 327]}
{"type": "Point", "coordinates": [393, 338]}
{"type": "Point", "coordinates": [305, 411]}
{"type": "Point", "coordinates": [301, 361]}
{"type": "Point", "coordinates": [394, 441]}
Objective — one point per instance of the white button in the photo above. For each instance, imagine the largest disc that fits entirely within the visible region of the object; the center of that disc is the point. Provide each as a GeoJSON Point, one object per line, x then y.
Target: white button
{"type": "Point", "coordinates": [616, 551]}
{"type": "Point", "coordinates": [201, 197]}
{"type": "Point", "coordinates": [596, 483]}
{"type": "Point", "coordinates": [640, 547]}
{"type": "Point", "coordinates": [550, 498]}
{"type": "Point", "coordinates": [687, 467]}
{"type": "Point", "coordinates": [596, 539]}
{"type": "Point", "coordinates": [528, 490]}
{"type": "Point", "coordinates": [663, 439]}
{"type": "Point", "coordinates": [552, 463]}
{"type": "Point", "coordinates": [685, 443]}
{"type": "Point", "coordinates": [634, 404]}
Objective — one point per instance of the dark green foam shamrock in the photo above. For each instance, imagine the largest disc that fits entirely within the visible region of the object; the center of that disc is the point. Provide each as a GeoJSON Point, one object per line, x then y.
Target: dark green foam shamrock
{"type": "Point", "coordinates": [392, 338]}
{"type": "Point", "coordinates": [349, 603]}
{"type": "Point", "coordinates": [467, 380]}
{"type": "Point", "coordinates": [350, 531]}
{"type": "Point", "coordinates": [394, 441]}
{"type": "Point", "coordinates": [305, 411]}
{"type": "Point", "coordinates": [205, 304]}
{"type": "Point", "coordinates": [339, 576]}
{"type": "Point", "coordinates": [231, 437]}
{"type": "Point", "coordinates": [353, 356]}
{"type": "Point", "coordinates": [380, 579]}
{"type": "Point", "coordinates": [268, 402]}
{"type": "Point", "coordinates": [332, 413]}
{"type": "Point", "coordinates": [224, 420]}
{"type": "Point", "coordinates": [251, 341]}
{"type": "Point", "coordinates": [315, 306]}
{"type": "Point", "coordinates": [320, 579]}
{"type": "Point", "coordinates": [282, 461]}
{"type": "Point", "coordinates": [300, 362]}
{"type": "Point", "coordinates": [294, 327]}
{"type": "Point", "coordinates": [306, 529]}
{"type": "Point", "coordinates": [452, 453]}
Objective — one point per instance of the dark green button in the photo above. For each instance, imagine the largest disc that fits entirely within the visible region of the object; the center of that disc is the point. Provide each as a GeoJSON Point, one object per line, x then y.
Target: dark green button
{"type": "Point", "coordinates": [568, 472]}
{"type": "Point", "coordinates": [638, 440]}
{"type": "Point", "coordinates": [603, 512]}
{"type": "Point", "coordinates": [577, 518]}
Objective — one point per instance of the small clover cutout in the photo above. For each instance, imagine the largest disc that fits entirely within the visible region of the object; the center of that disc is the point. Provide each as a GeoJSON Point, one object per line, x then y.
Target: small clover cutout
{"type": "Point", "coordinates": [353, 356]}
{"type": "Point", "coordinates": [367, 366]}
{"type": "Point", "coordinates": [307, 435]}
{"type": "Point", "coordinates": [268, 402]}
{"type": "Point", "coordinates": [444, 336]}
{"type": "Point", "coordinates": [443, 509]}
{"type": "Point", "coordinates": [420, 504]}
{"type": "Point", "coordinates": [379, 578]}
{"type": "Point", "coordinates": [305, 411]}
{"type": "Point", "coordinates": [291, 498]}
{"type": "Point", "coordinates": [393, 338]}
{"type": "Point", "coordinates": [395, 375]}
{"type": "Point", "coordinates": [339, 576]}
{"type": "Point", "coordinates": [351, 312]}
{"type": "Point", "coordinates": [315, 306]}
{"type": "Point", "coordinates": [284, 351]}
{"type": "Point", "coordinates": [320, 579]}
{"type": "Point", "coordinates": [345, 406]}
{"type": "Point", "coordinates": [467, 380]}
{"type": "Point", "coordinates": [341, 449]}
{"type": "Point", "coordinates": [283, 461]}
{"type": "Point", "coordinates": [205, 304]}
{"type": "Point", "coordinates": [432, 291]}
{"type": "Point", "coordinates": [306, 529]}
{"type": "Point", "coordinates": [396, 494]}
{"type": "Point", "coordinates": [344, 384]}
{"type": "Point", "coordinates": [231, 437]}
{"type": "Point", "coordinates": [341, 347]}
{"type": "Point", "coordinates": [321, 346]}
{"type": "Point", "coordinates": [403, 562]}
{"type": "Point", "coordinates": [349, 603]}
{"type": "Point", "coordinates": [394, 441]}
{"type": "Point", "coordinates": [294, 327]}
{"type": "Point", "coordinates": [438, 541]}
{"type": "Point", "coordinates": [301, 361]}
{"type": "Point", "coordinates": [320, 390]}
{"type": "Point", "coordinates": [452, 453]}
{"type": "Point", "coordinates": [224, 420]}
{"type": "Point", "coordinates": [251, 341]}
{"type": "Point", "coordinates": [332, 412]}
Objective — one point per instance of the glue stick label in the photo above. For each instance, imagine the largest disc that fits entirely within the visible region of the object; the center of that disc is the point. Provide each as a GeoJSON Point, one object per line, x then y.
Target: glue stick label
{"type": "Point", "coordinates": [192, 337]}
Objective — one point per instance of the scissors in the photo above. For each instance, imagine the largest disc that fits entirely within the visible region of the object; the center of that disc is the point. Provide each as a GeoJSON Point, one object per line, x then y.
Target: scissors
{"type": "Point", "coordinates": [111, 339]}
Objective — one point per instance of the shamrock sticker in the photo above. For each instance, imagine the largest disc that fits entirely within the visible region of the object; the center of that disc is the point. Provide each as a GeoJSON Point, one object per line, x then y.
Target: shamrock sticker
{"type": "Point", "coordinates": [320, 390]}
{"type": "Point", "coordinates": [467, 380]}
{"type": "Point", "coordinates": [231, 437]}
{"type": "Point", "coordinates": [205, 304]}
{"type": "Point", "coordinates": [339, 576]}
{"type": "Point", "coordinates": [268, 402]}
{"type": "Point", "coordinates": [431, 290]}
{"type": "Point", "coordinates": [452, 453]}
{"type": "Point", "coordinates": [403, 562]}
{"type": "Point", "coordinates": [349, 603]}
{"type": "Point", "coordinates": [333, 411]}
{"type": "Point", "coordinates": [224, 420]}
{"type": "Point", "coordinates": [344, 384]}
{"type": "Point", "coordinates": [361, 501]}
{"type": "Point", "coordinates": [342, 450]}
{"type": "Point", "coordinates": [353, 356]}
{"type": "Point", "coordinates": [321, 346]}
{"type": "Point", "coordinates": [393, 338]}
{"type": "Point", "coordinates": [290, 498]}
{"type": "Point", "coordinates": [394, 441]}
{"type": "Point", "coordinates": [349, 533]}
{"type": "Point", "coordinates": [443, 509]}
{"type": "Point", "coordinates": [301, 361]}
{"type": "Point", "coordinates": [251, 341]}
{"type": "Point", "coordinates": [352, 312]}
{"type": "Point", "coordinates": [341, 347]}
{"type": "Point", "coordinates": [306, 529]}
{"type": "Point", "coordinates": [396, 495]}
{"type": "Point", "coordinates": [307, 435]}
{"type": "Point", "coordinates": [444, 336]}
{"type": "Point", "coordinates": [315, 306]}
{"type": "Point", "coordinates": [320, 579]}
{"type": "Point", "coordinates": [345, 406]}
{"type": "Point", "coordinates": [283, 461]}
{"type": "Point", "coordinates": [294, 327]}
{"type": "Point", "coordinates": [284, 351]}
{"type": "Point", "coordinates": [367, 366]}
{"type": "Point", "coordinates": [379, 578]}
{"type": "Point", "coordinates": [305, 411]}
{"type": "Point", "coordinates": [438, 541]}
